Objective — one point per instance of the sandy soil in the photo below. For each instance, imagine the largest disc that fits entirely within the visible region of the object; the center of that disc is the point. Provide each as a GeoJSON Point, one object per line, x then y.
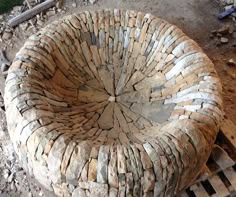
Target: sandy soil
{"type": "Point", "coordinates": [196, 18]}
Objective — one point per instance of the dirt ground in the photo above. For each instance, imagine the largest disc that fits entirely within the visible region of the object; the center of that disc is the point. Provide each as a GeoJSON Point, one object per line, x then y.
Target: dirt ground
{"type": "Point", "coordinates": [196, 18]}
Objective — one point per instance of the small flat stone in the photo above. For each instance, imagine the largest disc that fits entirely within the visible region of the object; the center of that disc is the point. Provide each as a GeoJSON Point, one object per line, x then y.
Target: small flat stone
{"type": "Point", "coordinates": [79, 192]}
{"type": "Point", "coordinates": [112, 169]}
{"type": "Point", "coordinates": [6, 35]}
{"type": "Point", "coordinates": [106, 119]}
{"type": "Point", "coordinates": [154, 111]}
{"type": "Point", "coordinates": [113, 192]}
{"type": "Point", "coordinates": [92, 172]}
{"type": "Point", "coordinates": [148, 180]}
{"type": "Point", "coordinates": [102, 167]}
{"type": "Point", "coordinates": [146, 162]}
{"type": "Point", "coordinates": [151, 152]}
{"type": "Point", "coordinates": [224, 29]}
{"type": "Point", "coordinates": [55, 159]}
{"type": "Point", "coordinates": [231, 62]}
{"type": "Point", "coordinates": [107, 80]}
{"type": "Point", "coordinates": [224, 40]}
{"type": "Point", "coordinates": [78, 159]}
{"type": "Point", "coordinates": [156, 80]}
{"type": "Point", "coordinates": [121, 119]}
{"type": "Point", "coordinates": [121, 161]}
{"type": "Point", "coordinates": [140, 96]}
{"type": "Point", "coordinates": [88, 94]}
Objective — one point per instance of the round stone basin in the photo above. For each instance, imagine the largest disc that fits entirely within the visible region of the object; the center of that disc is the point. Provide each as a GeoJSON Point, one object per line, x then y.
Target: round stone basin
{"type": "Point", "coordinates": [112, 102]}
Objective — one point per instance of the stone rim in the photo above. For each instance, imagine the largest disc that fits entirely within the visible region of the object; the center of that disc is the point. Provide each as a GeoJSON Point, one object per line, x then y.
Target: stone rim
{"type": "Point", "coordinates": [168, 163]}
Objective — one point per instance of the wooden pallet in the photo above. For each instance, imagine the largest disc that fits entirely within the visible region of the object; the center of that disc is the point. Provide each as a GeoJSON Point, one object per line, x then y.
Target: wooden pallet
{"type": "Point", "coordinates": [218, 177]}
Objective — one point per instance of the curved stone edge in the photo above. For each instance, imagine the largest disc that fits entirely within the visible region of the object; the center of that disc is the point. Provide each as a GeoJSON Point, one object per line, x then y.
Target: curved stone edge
{"type": "Point", "coordinates": [155, 149]}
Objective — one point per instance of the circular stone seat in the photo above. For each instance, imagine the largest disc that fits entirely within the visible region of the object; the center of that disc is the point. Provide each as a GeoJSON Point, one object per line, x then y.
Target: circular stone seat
{"type": "Point", "coordinates": [112, 102]}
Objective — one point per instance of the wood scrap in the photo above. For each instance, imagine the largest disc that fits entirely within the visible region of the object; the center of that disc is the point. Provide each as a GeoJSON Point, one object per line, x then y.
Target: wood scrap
{"type": "Point", "coordinates": [30, 7]}
{"type": "Point", "coordinates": [31, 12]}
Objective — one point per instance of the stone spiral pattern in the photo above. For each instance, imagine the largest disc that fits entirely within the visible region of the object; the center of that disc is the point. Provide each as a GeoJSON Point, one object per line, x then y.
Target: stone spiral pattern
{"type": "Point", "coordinates": [112, 103]}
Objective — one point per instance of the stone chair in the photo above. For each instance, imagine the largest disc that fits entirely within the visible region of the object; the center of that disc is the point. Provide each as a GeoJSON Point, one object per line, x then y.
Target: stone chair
{"type": "Point", "coordinates": [112, 102]}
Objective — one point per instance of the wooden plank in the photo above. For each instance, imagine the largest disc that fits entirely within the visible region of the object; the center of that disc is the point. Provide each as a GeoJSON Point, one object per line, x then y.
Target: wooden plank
{"type": "Point", "coordinates": [204, 174]}
{"type": "Point", "coordinates": [219, 186]}
{"type": "Point", "coordinates": [231, 176]}
{"type": "Point", "coordinates": [221, 157]}
{"type": "Point", "coordinates": [199, 190]}
{"type": "Point", "coordinates": [31, 13]}
{"type": "Point", "coordinates": [228, 130]}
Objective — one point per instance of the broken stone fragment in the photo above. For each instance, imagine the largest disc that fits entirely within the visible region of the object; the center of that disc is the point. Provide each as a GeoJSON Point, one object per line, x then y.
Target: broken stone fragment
{"type": "Point", "coordinates": [231, 62]}
{"type": "Point", "coordinates": [224, 40]}
{"type": "Point", "coordinates": [224, 29]}
{"type": "Point", "coordinates": [7, 35]}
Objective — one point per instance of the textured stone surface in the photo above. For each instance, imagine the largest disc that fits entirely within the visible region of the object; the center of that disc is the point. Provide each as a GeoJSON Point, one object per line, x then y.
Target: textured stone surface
{"type": "Point", "coordinates": [116, 103]}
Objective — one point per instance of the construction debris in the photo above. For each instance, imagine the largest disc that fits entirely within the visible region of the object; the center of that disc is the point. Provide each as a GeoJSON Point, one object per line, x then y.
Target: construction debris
{"type": "Point", "coordinates": [224, 40]}
{"type": "Point", "coordinates": [228, 9]}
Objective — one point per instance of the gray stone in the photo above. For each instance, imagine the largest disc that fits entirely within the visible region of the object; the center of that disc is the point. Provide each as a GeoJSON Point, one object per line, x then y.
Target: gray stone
{"type": "Point", "coordinates": [102, 167]}
{"type": "Point", "coordinates": [92, 1]}
{"type": "Point", "coordinates": [129, 184]}
{"type": "Point", "coordinates": [146, 162]}
{"type": "Point", "coordinates": [88, 94]}
{"type": "Point", "coordinates": [78, 192]}
{"type": "Point", "coordinates": [106, 119]}
{"type": "Point", "coordinates": [138, 160]}
{"type": "Point", "coordinates": [112, 169]}
{"type": "Point", "coordinates": [135, 96]}
{"type": "Point", "coordinates": [151, 152]}
{"type": "Point", "coordinates": [156, 80]}
{"type": "Point", "coordinates": [107, 80]}
{"type": "Point", "coordinates": [113, 192]}
{"type": "Point", "coordinates": [121, 161]}
{"type": "Point", "coordinates": [78, 159]}
{"type": "Point", "coordinates": [154, 111]}
{"type": "Point", "coordinates": [97, 189]}
{"type": "Point", "coordinates": [55, 158]}
{"type": "Point", "coordinates": [6, 35]}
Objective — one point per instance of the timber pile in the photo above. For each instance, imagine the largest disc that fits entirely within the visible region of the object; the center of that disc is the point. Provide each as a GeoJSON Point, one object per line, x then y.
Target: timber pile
{"type": "Point", "coordinates": [218, 177]}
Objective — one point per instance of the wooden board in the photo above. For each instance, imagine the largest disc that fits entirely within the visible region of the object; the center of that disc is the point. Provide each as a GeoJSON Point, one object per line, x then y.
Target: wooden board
{"type": "Point", "coordinates": [31, 13]}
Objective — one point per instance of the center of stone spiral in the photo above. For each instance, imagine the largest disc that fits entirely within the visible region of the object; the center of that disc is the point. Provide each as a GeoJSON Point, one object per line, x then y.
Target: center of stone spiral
{"type": "Point", "coordinates": [122, 107]}
{"type": "Point", "coordinates": [112, 99]}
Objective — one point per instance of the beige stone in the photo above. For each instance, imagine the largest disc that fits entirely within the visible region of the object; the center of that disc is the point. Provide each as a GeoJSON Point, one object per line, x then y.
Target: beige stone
{"type": "Point", "coordinates": [106, 119]}
{"type": "Point", "coordinates": [92, 171]}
